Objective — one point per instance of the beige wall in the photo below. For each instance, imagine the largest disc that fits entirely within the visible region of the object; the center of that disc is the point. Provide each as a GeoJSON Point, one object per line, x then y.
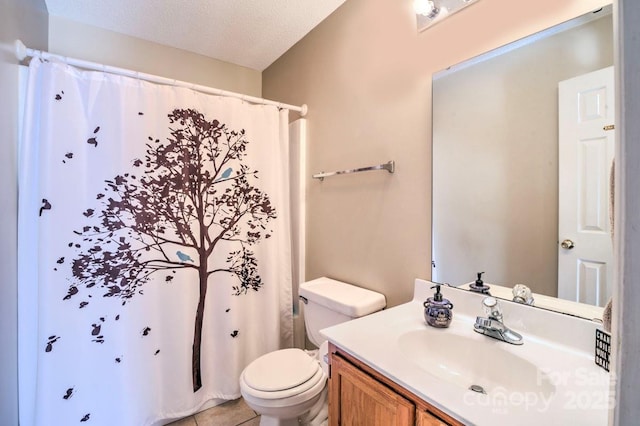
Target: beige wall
{"type": "Point", "coordinates": [495, 149]}
{"type": "Point", "coordinates": [25, 20]}
{"type": "Point", "coordinates": [70, 38]}
{"type": "Point", "coordinates": [365, 73]}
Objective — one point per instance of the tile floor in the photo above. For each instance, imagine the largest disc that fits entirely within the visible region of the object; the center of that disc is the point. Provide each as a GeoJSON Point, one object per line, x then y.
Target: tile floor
{"type": "Point", "coordinates": [231, 413]}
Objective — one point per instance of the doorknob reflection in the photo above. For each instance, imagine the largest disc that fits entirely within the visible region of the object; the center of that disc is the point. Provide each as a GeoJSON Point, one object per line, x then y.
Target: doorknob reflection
{"type": "Point", "coordinates": [567, 244]}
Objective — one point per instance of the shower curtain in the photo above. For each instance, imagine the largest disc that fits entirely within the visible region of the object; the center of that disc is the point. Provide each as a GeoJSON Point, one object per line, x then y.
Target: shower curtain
{"type": "Point", "coordinates": [154, 247]}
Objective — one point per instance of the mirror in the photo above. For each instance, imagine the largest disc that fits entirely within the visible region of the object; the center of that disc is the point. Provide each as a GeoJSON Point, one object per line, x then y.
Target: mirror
{"type": "Point", "coordinates": [495, 156]}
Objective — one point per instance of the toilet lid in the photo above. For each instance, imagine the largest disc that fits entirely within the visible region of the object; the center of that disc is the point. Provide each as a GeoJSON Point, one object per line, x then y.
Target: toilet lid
{"type": "Point", "coordinates": [279, 370]}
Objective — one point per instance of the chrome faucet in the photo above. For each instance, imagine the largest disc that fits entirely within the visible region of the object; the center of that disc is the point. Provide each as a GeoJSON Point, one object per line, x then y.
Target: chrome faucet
{"type": "Point", "coordinates": [493, 326]}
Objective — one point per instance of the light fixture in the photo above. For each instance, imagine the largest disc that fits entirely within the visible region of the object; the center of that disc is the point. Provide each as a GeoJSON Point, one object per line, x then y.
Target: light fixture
{"type": "Point", "coordinates": [430, 12]}
{"type": "Point", "coordinates": [425, 8]}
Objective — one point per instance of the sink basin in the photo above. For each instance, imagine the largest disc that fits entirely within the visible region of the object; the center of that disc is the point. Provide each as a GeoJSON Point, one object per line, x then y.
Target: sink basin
{"type": "Point", "coordinates": [473, 361]}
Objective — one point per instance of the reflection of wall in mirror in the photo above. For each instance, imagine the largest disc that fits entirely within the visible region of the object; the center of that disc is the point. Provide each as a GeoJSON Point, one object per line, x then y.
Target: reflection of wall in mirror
{"type": "Point", "coordinates": [495, 127]}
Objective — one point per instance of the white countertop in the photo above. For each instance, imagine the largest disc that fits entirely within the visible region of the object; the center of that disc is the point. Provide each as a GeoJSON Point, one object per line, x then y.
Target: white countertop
{"type": "Point", "coordinates": [560, 346]}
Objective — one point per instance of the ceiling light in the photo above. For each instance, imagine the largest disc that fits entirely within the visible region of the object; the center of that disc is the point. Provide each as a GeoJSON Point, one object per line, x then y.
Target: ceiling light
{"type": "Point", "coordinates": [425, 8]}
{"type": "Point", "coordinates": [429, 12]}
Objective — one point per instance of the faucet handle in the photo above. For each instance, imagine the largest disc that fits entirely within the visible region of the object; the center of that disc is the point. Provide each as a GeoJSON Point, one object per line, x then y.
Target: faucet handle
{"type": "Point", "coordinates": [491, 308]}
{"type": "Point", "coordinates": [489, 302]}
{"type": "Point", "coordinates": [522, 294]}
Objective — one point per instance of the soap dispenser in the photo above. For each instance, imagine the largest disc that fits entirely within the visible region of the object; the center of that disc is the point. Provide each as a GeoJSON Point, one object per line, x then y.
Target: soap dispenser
{"type": "Point", "coordinates": [479, 286]}
{"type": "Point", "coordinates": [437, 310]}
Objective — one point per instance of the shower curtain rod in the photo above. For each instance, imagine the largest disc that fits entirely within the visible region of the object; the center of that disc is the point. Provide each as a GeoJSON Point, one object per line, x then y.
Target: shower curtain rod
{"type": "Point", "coordinates": [22, 52]}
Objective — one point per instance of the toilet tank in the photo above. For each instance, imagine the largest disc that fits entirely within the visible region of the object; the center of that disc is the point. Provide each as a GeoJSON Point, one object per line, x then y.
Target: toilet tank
{"type": "Point", "coordinates": [329, 302]}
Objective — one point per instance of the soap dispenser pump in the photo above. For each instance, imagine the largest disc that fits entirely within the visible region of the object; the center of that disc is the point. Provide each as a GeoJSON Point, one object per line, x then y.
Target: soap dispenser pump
{"type": "Point", "coordinates": [438, 310]}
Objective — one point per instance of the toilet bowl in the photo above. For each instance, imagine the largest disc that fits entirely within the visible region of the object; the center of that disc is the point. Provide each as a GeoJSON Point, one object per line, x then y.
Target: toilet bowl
{"type": "Point", "coordinates": [285, 385]}
{"type": "Point", "coordinates": [288, 387]}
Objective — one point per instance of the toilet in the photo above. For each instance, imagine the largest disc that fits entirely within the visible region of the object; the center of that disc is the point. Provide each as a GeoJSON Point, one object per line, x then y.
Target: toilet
{"type": "Point", "coordinates": [289, 386]}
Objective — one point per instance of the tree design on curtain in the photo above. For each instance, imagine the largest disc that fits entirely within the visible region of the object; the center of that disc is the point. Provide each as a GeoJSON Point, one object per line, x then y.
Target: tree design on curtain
{"type": "Point", "coordinates": [193, 201]}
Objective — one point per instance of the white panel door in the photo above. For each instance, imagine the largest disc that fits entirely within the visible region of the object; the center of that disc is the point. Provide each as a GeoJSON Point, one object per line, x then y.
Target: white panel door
{"type": "Point", "coordinates": [586, 147]}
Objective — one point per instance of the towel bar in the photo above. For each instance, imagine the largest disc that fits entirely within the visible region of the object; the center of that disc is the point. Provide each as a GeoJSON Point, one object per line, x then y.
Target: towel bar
{"type": "Point", "coordinates": [389, 166]}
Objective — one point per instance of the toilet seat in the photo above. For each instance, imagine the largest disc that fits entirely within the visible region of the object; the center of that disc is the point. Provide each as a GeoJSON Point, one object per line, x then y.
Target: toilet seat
{"type": "Point", "coordinates": [287, 396]}
{"type": "Point", "coordinates": [280, 370]}
{"type": "Point", "coordinates": [282, 374]}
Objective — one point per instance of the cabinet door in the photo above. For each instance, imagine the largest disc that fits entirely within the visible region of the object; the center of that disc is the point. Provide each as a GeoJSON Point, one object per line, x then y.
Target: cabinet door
{"type": "Point", "coordinates": [355, 398]}
{"type": "Point", "coordinates": [425, 418]}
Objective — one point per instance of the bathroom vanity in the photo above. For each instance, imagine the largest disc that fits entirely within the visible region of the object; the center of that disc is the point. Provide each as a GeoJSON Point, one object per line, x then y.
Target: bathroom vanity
{"type": "Point", "coordinates": [391, 368]}
{"type": "Point", "coordinates": [360, 395]}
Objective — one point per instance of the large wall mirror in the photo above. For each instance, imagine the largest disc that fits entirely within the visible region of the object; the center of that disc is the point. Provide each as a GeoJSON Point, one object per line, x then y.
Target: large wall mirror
{"type": "Point", "coordinates": [498, 188]}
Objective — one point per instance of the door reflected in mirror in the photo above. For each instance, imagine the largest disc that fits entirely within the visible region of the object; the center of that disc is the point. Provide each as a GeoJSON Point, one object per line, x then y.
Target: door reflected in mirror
{"type": "Point", "coordinates": [496, 166]}
{"type": "Point", "coordinates": [585, 164]}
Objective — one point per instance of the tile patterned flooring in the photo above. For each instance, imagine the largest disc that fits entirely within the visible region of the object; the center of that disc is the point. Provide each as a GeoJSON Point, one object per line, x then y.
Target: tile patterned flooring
{"type": "Point", "coordinates": [231, 413]}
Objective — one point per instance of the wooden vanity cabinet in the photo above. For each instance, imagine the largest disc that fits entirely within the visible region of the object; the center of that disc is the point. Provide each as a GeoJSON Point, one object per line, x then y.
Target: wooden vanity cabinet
{"type": "Point", "coordinates": [358, 395]}
{"type": "Point", "coordinates": [355, 398]}
{"type": "Point", "coordinates": [425, 418]}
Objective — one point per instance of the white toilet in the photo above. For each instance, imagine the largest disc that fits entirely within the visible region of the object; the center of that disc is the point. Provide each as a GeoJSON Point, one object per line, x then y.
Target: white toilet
{"type": "Point", "coordinates": [289, 386]}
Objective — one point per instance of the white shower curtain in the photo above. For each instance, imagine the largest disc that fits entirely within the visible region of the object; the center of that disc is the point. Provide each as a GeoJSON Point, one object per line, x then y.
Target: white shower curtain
{"type": "Point", "coordinates": [154, 247]}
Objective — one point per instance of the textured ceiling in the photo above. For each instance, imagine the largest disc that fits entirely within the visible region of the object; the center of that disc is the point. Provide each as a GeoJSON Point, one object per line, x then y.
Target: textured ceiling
{"type": "Point", "coordinates": [251, 33]}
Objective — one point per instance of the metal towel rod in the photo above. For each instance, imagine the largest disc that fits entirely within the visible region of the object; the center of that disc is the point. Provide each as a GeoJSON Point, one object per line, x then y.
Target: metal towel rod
{"type": "Point", "coordinates": [389, 166]}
